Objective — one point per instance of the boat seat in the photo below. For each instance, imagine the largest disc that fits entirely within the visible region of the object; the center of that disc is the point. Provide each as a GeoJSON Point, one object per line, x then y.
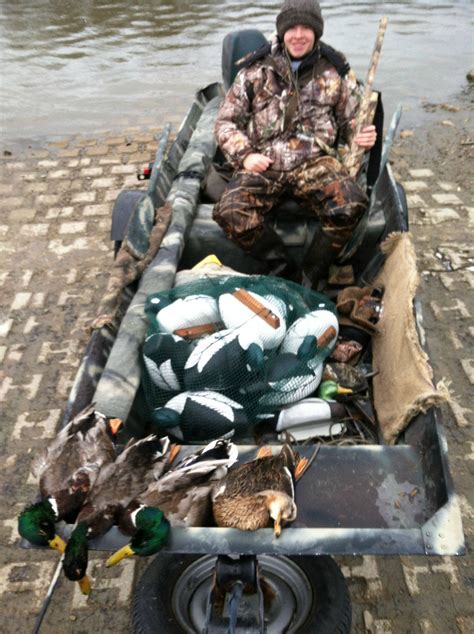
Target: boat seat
{"type": "Point", "coordinates": [207, 236]}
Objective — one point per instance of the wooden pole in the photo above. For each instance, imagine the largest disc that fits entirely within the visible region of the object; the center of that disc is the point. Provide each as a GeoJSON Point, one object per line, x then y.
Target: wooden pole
{"type": "Point", "coordinates": [353, 158]}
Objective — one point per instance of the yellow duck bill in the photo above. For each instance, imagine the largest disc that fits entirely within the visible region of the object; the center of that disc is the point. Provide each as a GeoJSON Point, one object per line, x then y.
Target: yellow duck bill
{"type": "Point", "coordinates": [57, 543]}
{"type": "Point", "coordinates": [125, 551]}
{"type": "Point", "coordinates": [85, 585]}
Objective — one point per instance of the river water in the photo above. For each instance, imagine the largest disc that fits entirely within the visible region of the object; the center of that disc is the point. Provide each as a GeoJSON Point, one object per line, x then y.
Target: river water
{"type": "Point", "coordinates": [81, 66]}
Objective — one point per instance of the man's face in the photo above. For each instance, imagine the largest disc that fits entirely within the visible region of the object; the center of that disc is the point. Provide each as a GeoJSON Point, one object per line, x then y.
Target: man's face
{"type": "Point", "coordinates": [299, 40]}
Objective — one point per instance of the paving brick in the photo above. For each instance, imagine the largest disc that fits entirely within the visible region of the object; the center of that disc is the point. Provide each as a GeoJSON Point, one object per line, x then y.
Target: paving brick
{"type": "Point", "coordinates": [468, 367]}
{"type": "Point", "coordinates": [96, 210]}
{"type": "Point", "coordinates": [458, 307]}
{"type": "Point", "coordinates": [5, 327]}
{"type": "Point", "coordinates": [84, 197]}
{"type": "Point", "coordinates": [369, 571]}
{"type": "Point", "coordinates": [460, 413]}
{"type": "Point", "coordinates": [30, 325]}
{"type": "Point", "coordinates": [35, 188]}
{"type": "Point", "coordinates": [15, 353]}
{"type": "Point", "coordinates": [99, 150]}
{"type": "Point", "coordinates": [101, 183]}
{"type": "Point", "coordinates": [60, 247]}
{"type": "Point", "coordinates": [30, 389]}
{"type": "Point", "coordinates": [421, 173]}
{"type": "Point", "coordinates": [444, 214]}
{"type": "Point", "coordinates": [6, 248]}
{"type": "Point", "coordinates": [15, 166]}
{"type": "Point", "coordinates": [376, 626]}
{"type": "Point", "coordinates": [92, 171]}
{"type": "Point", "coordinates": [35, 230]}
{"type": "Point", "coordinates": [127, 148]}
{"type": "Point", "coordinates": [26, 278]}
{"type": "Point", "coordinates": [86, 142]}
{"type": "Point", "coordinates": [5, 189]}
{"type": "Point", "coordinates": [59, 212]}
{"type": "Point", "coordinates": [22, 215]}
{"type": "Point", "coordinates": [63, 143]}
{"type": "Point", "coordinates": [20, 301]}
{"type": "Point", "coordinates": [71, 153]}
{"type": "Point", "coordinates": [446, 187]}
{"type": "Point", "coordinates": [11, 202]}
{"type": "Point", "coordinates": [447, 199]}
{"type": "Point", "coordinates": [4, 230]}
{"type": "Point", "coordinates": [110, 161]}
{"type": "Point", "coordinates": [59, 174]}
{"type": "Point", "coordinates": [47, 199]}
{"type": "Point", "coordinates": [124, 169]}
{"type": "Point", "coordinates": [414, 186]}
{"type": "Point", "coordinates": [73, 227]}
{"type": "Point", "coordinates": [414, 201]}
{"type": "Point", "coordinates": [48, 164]}
{"type": "Point", "coordinates": [67, 354]}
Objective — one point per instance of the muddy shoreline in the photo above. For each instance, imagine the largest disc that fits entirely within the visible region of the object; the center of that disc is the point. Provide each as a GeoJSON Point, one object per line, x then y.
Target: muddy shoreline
{"type": "Point", "coordinates": [54, 257]}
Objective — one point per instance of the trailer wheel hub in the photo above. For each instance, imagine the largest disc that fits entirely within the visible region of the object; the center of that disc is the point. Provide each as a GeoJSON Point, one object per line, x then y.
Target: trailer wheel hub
{"type": "Point", "coordinates": [288, 595]}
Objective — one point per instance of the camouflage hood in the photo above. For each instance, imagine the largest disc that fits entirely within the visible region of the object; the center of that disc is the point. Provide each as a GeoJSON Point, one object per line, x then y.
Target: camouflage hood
{"type": "Point", "coordinates": [289, 118]}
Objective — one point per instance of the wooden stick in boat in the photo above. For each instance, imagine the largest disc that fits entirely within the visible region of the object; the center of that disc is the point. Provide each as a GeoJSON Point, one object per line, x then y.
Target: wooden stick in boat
{"type": "Point", "coordinates": [353, 159]}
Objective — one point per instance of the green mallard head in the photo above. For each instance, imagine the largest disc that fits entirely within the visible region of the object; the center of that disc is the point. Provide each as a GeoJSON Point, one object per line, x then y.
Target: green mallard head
{"type": "Point", "coordinates": [36, 525]}
{"type": "Point", "coordinates": [76, 555]}
{"type": "Point", "coordinates": [152, 530]}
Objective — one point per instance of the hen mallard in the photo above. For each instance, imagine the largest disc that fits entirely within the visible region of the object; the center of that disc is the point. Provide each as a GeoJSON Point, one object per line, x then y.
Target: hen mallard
{"type": "Point", "coordinates": [255, 492]}
{"type": "Point", "coordinates": [181, 497]}
{"type": "Point", "coordinates": [141, 462]}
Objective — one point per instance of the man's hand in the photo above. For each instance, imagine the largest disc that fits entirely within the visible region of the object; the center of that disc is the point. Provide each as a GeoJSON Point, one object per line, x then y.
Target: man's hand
{"type": "Point", "coordinates": [257, 162]}
{"type": "Point", "coordinates": [366, 137]}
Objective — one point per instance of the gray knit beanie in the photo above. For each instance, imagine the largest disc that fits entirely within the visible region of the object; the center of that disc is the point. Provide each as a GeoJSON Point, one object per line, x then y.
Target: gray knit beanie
{"type": "Point", "coordinates": [293, 12]}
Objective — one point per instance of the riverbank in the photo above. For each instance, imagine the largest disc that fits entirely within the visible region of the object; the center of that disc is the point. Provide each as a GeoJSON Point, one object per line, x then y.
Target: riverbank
{"type": "Point", "coordinates": [55, 254]}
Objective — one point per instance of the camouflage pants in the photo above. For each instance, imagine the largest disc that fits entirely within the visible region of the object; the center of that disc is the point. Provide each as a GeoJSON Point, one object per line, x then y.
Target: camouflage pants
{"type": "Point", "coordinates": [323, 187]}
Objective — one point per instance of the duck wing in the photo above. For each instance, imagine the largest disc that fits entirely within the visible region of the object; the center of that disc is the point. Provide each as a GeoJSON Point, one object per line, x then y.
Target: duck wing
{"type": "Point", "coordinates": [183, 493]}
{"type": "Point", "coordinates": [76, 454]}
{"type": "Point", "coordinates": [121, 481]}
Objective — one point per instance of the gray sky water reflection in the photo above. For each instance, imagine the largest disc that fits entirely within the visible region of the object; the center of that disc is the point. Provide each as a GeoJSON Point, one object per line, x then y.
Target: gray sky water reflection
{"type": "Point", "coordinates": [84, 65]}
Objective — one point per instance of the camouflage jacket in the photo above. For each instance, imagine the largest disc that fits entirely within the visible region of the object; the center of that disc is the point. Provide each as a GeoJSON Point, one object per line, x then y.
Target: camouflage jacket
{"type": "Point", "coordinates": [287, 117]}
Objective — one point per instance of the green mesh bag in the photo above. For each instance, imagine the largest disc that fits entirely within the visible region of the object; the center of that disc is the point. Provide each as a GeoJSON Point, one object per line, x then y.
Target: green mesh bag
{"type": "Point", "coordinates": [224, 353]}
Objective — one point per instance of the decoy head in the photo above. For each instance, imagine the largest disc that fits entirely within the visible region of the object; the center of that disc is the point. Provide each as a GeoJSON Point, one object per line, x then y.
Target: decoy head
{"type": "Point", "coordinates": [36, 525]}
{"type": "Point", "coordinates": [328, 389]}
{"type": "Point", "coordinates": [152, 530]}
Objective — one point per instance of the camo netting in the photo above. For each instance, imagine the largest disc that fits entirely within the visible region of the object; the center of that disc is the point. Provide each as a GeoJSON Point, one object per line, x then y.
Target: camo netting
{"type": "Point", "coordinates": [223, 353]}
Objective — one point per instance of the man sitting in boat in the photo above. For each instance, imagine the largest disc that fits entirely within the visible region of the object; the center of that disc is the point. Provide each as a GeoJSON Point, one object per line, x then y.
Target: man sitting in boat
{"type": "Point", "coordinates": [279, 126]}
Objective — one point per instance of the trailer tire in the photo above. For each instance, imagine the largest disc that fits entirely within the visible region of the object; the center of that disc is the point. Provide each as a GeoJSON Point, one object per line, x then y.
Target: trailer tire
{"type": "Point", "coordinates": [152, 610]}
